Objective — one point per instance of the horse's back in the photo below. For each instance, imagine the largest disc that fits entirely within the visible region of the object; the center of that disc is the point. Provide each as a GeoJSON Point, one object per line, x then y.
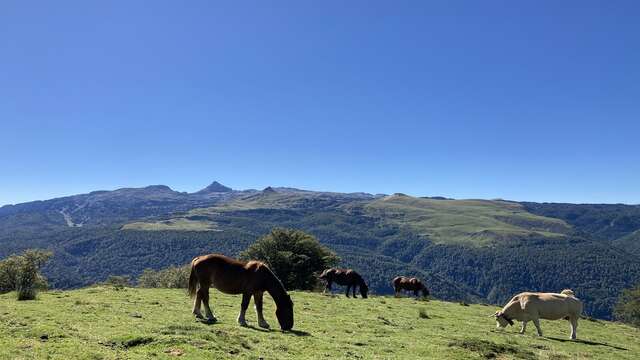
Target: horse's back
{"type": "Point", "coordinates": [397, 281]}
{"type": "Point", "coordinates": [223, 273]}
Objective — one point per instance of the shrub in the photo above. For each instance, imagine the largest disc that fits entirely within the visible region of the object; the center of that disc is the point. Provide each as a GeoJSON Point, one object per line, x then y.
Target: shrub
{"type": "Point", "coordinates": [293, 255]}
{"type": "Point", "coordinates": [21, 273]}
{"type": "Point", "coordinates": [172, 278]}
{"type": "Point", "coordinates": [627, 309]}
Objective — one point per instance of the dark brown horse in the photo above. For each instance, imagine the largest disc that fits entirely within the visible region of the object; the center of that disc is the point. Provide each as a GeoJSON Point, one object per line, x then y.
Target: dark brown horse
{"type": "Point", "coordinates": [410, 284]}
{"type": "Point", "coordinates": [231, 276]}
{"type": "Point", "coordinates": [346, 277]}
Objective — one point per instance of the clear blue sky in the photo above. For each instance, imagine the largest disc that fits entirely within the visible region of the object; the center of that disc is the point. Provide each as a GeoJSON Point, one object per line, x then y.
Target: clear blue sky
{"type": "Point", "coordinates": [536, 100]}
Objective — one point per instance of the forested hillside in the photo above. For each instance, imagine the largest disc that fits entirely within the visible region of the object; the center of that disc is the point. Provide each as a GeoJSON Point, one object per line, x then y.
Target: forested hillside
{"type": "Point", "coordinates": [472, 250]}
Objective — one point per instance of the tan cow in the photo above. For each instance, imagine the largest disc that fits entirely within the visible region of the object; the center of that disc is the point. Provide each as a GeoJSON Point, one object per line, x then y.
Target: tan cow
{"type": "Point", "coordinates": [529, 306]}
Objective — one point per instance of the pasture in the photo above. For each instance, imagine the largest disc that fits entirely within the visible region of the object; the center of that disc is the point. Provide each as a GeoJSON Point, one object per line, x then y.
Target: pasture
{"type": "Point", "coordinates": [104, 323]}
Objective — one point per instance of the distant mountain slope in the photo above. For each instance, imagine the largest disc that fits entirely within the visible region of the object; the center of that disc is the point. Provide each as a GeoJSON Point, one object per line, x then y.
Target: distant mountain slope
{"type": "Point", "coordinates": [476, 250]}
{"type": "Point", "coordinates": [630, 243]}
{"type": "Point", "coordinates": [469, 222]}
{"type": "Point", "coordinates": [599, 221]}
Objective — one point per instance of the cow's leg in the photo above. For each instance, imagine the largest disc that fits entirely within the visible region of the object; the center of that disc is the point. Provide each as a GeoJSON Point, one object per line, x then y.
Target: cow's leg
{"type": "Point", "coordinates": [574, 327]}
{"type": "Point", "coordinates": [524, 327]}
{"type": "Point", "coordinates": [204, 294]}
{"type": "Point", "coordinates": [536, 322]}
{"type": "Point", "coordinates": [197, 303]}
{"type": "Point", "coordinates": [257, 299]}
{"type": "Point", "coordinates": [243, 309]}
{"type": "Point", "coordinates": [348, 288]}
{"type": "Point", "coordinates": [354, 291]}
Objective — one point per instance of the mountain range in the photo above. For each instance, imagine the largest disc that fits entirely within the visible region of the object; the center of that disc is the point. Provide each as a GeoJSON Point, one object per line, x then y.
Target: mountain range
{"type": "Point", "coordinates": [468, 250]}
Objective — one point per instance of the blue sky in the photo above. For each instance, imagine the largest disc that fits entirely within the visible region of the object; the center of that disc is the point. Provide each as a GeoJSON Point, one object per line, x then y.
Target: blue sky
{"type": "Point", "coordinates": [470, 99]}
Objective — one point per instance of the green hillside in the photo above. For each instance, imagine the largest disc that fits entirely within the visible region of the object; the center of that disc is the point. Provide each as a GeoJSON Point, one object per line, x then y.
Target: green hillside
{"type": "Point", "coordinates": [470, 222]}
{"type": "Point", "coordinates": [103, 323]}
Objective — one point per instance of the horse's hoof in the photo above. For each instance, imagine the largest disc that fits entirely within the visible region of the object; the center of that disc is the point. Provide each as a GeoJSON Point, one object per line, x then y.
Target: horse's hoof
{"type": "Point", "coordinates": [264, 325]}
{"type": "Point", "coordinates": [242, 323]}
{"type": "Point", "coordinates": [210, 320]}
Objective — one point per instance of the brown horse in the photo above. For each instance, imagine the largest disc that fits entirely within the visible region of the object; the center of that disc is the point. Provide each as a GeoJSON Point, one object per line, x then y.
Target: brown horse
{"type": "Point", "coordinates": [231, 276]}
{"type": "Point", "coordinates": [410, 284]}
{"type": "Point", "coordinates": [346, 277]}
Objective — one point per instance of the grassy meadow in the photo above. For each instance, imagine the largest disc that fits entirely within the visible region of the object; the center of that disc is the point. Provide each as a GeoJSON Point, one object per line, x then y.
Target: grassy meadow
{"type": "Point", "coordinates": [105, 323]}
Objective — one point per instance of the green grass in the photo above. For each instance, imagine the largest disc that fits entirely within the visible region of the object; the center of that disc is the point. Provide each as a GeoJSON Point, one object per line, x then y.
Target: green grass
{"type": "Point", "coordinates": [476, 222]}
{"type": "Point", "coordinates": [102, 323]}
{"type": "Point", "coordinates": [172, 224]}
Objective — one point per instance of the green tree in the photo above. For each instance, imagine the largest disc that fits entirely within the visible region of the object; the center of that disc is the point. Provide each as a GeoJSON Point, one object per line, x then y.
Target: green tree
{"type": "Point", "coordinates": [628, 307]}
{"type": "Point", "coordinates": [293, 255]}
{"type": "Point", "coordinates": [21, 273]}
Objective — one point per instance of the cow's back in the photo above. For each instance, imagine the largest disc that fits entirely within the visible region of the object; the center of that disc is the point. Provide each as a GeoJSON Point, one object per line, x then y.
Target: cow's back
{"type": "Point", "coordinates": [550, 306]}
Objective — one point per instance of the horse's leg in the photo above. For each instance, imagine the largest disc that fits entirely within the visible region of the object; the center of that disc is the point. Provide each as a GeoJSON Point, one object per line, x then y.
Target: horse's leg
{"type": "Point", "coordinates": [204, 294]}
{"type": "Point", "coordinates": [354, 291]}
{"type": "Point", "coordinates": [196, 306]}
{"type": "Point", "coordinates": [243, 309]}
{"type": "Point", "coordinates": [524, 327]}
{"type": "Point", "coordinates": [348, 288]}
{"type": "Point", "coordinates": [328, 286]}
{"type": "Point", "coordinates": [257, 299]}
{"type": "Point", "coordinates": [415, 293]}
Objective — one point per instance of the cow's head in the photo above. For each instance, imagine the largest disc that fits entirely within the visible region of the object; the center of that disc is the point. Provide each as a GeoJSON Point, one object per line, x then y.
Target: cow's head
{"type": "Point", "coordinates": [502, 320]}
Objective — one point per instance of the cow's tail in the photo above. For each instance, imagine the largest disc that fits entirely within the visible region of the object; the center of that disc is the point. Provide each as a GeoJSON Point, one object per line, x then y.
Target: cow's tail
{"type": "Point", "coordinates": [193, 280]}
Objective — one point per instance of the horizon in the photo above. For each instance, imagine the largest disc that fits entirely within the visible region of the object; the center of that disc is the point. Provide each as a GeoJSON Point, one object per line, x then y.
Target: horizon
{"type": "Point", "coordinates": [530, 102]}
{"type": "Point", "coordinates": [275, 186]}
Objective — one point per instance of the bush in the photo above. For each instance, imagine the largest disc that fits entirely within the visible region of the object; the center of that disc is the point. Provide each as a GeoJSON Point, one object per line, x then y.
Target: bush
{"type": "Point", "coordinates": [627, 309]}
{"type": "Point", "coordinates": [21, 273]}
{"type": "Point", "coordinates": [294, 256]}
{"type": "Point", "coordinates": [172, 278]}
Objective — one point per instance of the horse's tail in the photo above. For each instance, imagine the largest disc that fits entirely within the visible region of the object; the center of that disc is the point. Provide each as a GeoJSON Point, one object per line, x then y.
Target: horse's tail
{"type": "Point", "coordinates": [193, 280]}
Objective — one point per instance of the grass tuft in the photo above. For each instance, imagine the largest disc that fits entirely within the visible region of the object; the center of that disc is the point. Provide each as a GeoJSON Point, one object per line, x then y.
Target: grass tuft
{"type": "Point", "coordinates": [422, 314]}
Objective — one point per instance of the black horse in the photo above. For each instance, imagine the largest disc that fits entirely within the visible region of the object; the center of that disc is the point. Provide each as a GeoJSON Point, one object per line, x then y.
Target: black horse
{"type": "Point", "coordinates": [346, 277]}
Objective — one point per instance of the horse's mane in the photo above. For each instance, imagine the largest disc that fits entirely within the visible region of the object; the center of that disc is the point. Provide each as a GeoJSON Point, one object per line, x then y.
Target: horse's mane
{"type": "Point", "coordinates": [279, 287]}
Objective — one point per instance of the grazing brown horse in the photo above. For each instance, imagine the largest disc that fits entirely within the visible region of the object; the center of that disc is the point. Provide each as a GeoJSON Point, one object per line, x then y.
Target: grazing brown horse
{"type": "Point", "coordinates": [410, 284]}
{"type": "Point", "coordinates": [346, 277]}
{"type": "Point", "coordinates": [231, 276]}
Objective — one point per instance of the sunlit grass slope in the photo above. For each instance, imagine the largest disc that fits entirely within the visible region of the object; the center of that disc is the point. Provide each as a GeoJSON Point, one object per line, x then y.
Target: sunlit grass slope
{"type": "Point", "coordinates": [477, 222]}
{"type": "Point", "coordinates": [469, 222]}
{"type": "Point", "coordinates": [103, 323]}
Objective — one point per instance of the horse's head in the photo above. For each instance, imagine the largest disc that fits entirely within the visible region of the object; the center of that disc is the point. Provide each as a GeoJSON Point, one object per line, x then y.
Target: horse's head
{"type": "Point", "coordinates": [326, 274]}
{"type": "Point", "coordinates": [364, 290]}
{"type": "Point", "coordinates": [425, 291]}
{"type": "Point", "coordinates": [284, 313]}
